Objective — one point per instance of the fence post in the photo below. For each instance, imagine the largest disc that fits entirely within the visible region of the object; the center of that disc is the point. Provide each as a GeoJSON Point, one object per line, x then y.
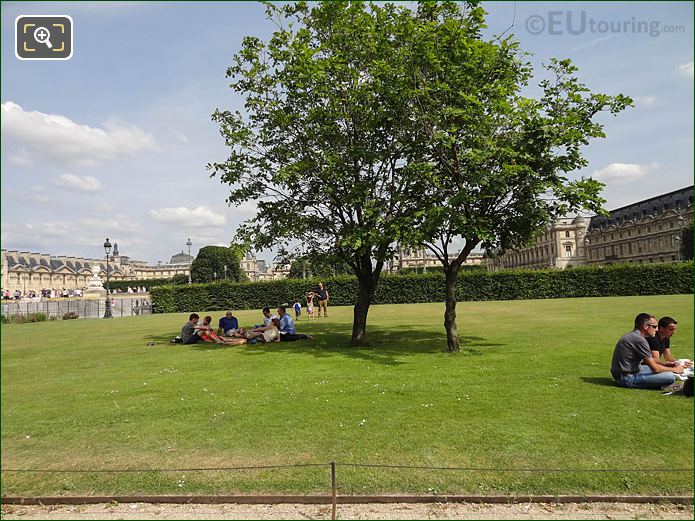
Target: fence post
{"type": "Point", "coordinates": [333, 490]}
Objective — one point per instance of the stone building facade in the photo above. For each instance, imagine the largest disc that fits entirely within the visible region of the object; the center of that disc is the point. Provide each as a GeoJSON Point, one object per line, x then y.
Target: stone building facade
{"type": "Point", "coordinates": [258, 270]}
{"type": "Point", "coordinates": [559, 246]}
{"type": "Point", "coordinates": [422, 260]}
{"type": "Point", "coordinates": [26, 271]}
{"type": "Point", "coordinates": [644, 232]}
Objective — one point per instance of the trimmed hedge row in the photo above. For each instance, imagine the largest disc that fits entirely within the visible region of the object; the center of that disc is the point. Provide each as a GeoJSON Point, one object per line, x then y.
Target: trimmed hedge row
{"type": "Point", "coordinates": [604, 281]}
{"type": "Point", "coordinates": [147, 283]}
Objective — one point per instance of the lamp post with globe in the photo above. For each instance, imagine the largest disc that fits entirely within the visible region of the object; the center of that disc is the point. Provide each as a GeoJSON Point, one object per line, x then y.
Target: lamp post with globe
{"type": "Point", "coordinates": [107, 311]}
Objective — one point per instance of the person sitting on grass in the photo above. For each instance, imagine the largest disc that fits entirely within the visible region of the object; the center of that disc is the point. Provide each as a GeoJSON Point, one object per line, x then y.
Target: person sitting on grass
{"type": "Point", "coordinates": [189, 335]}
{"type": "Point", "coordinates": [206, 334]}
{"type": "Point", "coordinates": [660, 344]}
{"type": "Point", "coordinates": [287, 333]}
{"type": "Point", "coordinates": [632, 350]}
{"type": "Point", "coordinates": [227, 323]}
{"type": "Point", "coordinates": [265, 334]}
{"type": "Point", "coordinates": [267, 317]}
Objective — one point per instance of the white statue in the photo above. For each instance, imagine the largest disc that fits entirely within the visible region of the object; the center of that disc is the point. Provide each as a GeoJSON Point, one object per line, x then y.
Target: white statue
{"type": "Point", "coordinates": [96, 288]}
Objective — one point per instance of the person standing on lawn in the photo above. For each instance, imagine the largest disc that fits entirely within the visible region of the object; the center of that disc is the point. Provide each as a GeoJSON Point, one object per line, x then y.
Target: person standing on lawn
{"type": "Point", "coordinates": [297, 309]}
{"type": "Point", "coordinates": [323, 297]}
{"type": "Point", "coordinates": [634, 366]}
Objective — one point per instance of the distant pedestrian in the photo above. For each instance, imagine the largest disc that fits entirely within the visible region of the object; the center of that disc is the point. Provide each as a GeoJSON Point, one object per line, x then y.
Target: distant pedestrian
{"type": "Point", "coordinates": [310, 305]}
{"type": "Point", "coordinates": [323, 297]}
{"type": "Point", "coordinates": [297, 310]}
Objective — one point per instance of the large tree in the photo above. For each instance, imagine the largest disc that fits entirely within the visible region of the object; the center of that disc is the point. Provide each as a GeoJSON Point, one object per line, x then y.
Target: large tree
{"type": "Point", "coordinates": [498, 163]}
{"type": "Point", "coordinates": [216, 262]}
{"type": "Point", "coordinates": [319, 147]}
{"type": "Point", "coordinates": [316, 264]}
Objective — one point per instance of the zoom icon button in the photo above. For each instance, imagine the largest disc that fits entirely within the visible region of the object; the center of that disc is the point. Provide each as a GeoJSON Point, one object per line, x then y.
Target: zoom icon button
{"type": "Point", "coordinates": [43, 37]}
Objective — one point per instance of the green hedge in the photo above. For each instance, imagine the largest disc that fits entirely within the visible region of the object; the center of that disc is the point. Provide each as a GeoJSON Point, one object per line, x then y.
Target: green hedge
{"type": "Point", "coordinates": [147, 283]}
{"type": "Point", "coordinates": [604, 281]}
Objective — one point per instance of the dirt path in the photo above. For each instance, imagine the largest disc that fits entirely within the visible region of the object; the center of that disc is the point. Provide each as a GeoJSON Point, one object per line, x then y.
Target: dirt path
{"type": "Point", "coordinates": [368, 511]}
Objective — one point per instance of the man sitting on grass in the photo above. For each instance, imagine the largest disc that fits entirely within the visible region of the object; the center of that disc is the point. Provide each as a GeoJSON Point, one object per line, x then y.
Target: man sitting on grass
{"type": "Point", "coordinates": [227, 323]}
{"type": "Point", "coordinates": [632, 350]}
{"type": "Point", "coordinates": [660, 344]}
{"type": "Point", "coordinates": [287, 333]}
{"type": "Point", "coordinates": [189, 335]}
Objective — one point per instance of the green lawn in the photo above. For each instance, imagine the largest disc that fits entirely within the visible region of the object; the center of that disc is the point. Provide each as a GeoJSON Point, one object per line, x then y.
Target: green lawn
{"type": "Point", "coordinates": [532, 390]}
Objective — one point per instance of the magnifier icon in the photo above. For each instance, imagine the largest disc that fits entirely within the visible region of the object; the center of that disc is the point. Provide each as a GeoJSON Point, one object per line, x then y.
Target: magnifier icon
{"type": "Point", "coordinates": [43, 35]}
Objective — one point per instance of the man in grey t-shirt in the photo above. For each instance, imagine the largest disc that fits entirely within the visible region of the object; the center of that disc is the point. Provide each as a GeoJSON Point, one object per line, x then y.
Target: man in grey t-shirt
{"type": "Point", "coordinates": [632, 350]}
{"type": "Point", "coordinates": [189, 335]}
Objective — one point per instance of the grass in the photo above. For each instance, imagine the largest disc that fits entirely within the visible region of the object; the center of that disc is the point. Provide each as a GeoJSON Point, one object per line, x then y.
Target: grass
{"type": "Point", "coordinates": [532, 389]}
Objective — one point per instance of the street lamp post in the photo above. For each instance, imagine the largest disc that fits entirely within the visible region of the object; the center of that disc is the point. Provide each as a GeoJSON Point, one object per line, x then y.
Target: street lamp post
{"type": "Point", "coordinates": [189, 244]}
{"type": "Point", "coordinates": [107, 311]}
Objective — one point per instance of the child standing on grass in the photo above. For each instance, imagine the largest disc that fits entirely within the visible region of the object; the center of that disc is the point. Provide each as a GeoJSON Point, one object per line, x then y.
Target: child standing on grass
{"type": "Point", "coordinates": [297, 310]}
{"type": "Point", "coordinates": [310, 306]}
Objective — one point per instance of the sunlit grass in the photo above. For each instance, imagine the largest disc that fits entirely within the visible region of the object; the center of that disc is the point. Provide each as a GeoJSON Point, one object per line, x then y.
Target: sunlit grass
{"type": "Point", "coordinates": [531, 390]}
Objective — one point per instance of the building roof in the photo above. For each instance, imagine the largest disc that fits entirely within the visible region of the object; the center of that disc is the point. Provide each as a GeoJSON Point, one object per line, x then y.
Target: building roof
{"type": "Point", "coordinates": [181, 258]}
{"type": "Point", "coordinates": [676, 200]}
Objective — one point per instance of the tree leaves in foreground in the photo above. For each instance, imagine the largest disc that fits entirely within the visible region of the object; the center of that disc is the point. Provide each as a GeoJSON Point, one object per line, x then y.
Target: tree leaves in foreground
{"type": "Point", "coordinates": [320, 147]}
{"type": "Point", "coordinates": [367, 125]}
{"type": "Point", "coordinates": [498, 162]}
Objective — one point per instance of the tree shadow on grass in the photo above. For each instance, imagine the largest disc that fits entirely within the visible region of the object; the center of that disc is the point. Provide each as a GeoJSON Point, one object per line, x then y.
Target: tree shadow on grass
{"type": "Point", "coordinates": [599, 380]}
{"type": "Point", "coordinates": [385, 346]}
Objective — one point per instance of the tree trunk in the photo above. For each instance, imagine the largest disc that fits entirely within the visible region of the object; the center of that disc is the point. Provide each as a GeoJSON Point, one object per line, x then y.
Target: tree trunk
{"type": "Point", "coordinates": [452, 338]}
{"type": "Point", "coordinates": [360, 311]}
{"type": "Point", "coordinates": [367, 281]}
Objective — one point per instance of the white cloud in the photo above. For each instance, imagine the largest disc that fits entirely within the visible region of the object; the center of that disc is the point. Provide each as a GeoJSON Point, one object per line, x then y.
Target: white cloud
{"type": "Point", "coordinates": [686, 69]}
{"type": "Point", "coordinates": [76, 183]}
{"type": "Point", "coordinates": [645, 101]}
{"type": "Point", "coordinates": [620, 173]}
{"type": "Point", "coordinates": [21, 157]}
{"type": "Point", "coordinates": [181, 137]}
{"type": "Point", "coordinates": [182, 216]}
{"type": "Point", "coordinates": [592, 43]}
{"type": "Point", "coordinates": [61, 140]}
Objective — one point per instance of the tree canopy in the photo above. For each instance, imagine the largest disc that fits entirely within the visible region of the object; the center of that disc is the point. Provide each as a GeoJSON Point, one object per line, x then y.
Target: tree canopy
{"type": "Point", "coordinates": [368, 125]}
{"type": "Point", "coordinates": [498, 162]}
{"type": "Point", "coordinates": [214, 263]}
{"type": "Point", "coordinates": [319, 147]}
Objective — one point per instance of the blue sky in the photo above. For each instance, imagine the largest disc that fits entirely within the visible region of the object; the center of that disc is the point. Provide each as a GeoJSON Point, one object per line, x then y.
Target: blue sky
{"type": "Point", "coordinates": [113, 142]}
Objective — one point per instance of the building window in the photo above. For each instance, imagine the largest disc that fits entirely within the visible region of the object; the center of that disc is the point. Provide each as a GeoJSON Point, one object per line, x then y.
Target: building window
{"type": "Point", "coordinates": [567, 234]}
{"type": "Point", "coordinates": [568, 250]}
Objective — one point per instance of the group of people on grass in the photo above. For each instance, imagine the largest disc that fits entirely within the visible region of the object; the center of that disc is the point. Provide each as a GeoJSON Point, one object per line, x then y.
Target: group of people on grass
{"type": "Point", "coordinates": [320, 294]}
{"type": "Point", "coordinates": [275, 328]}
{"type": "Point", "coordinates": [642, 358]}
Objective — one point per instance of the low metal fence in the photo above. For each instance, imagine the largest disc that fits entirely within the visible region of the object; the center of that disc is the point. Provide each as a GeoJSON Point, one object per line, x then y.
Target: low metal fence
{"type": "Point", "coordinates": [84, 308]}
